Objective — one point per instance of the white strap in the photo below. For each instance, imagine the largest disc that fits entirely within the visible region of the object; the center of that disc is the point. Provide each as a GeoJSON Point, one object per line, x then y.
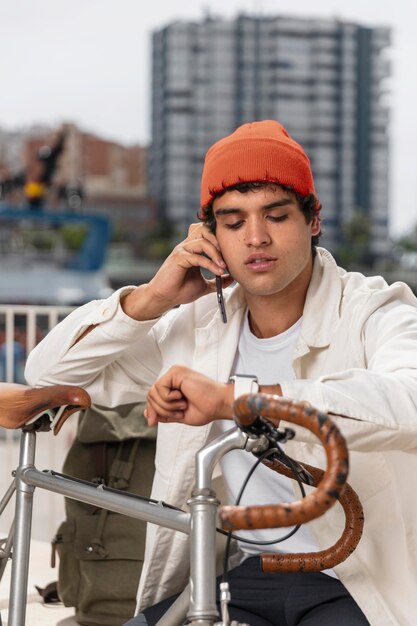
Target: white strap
{"type": "Point", "coordinates": [244, 384]}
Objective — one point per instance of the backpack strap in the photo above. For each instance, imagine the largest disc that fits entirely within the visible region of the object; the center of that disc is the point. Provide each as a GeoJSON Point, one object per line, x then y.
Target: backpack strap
{"type": "Point", "coordinates": [122, 467]}
{"type": "Point", "coordinates": [119, 477]}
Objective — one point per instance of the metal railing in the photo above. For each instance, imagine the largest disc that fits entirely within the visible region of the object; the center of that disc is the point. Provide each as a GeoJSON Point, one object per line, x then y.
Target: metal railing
{"type": "Point", "coordinates": [21, 328]}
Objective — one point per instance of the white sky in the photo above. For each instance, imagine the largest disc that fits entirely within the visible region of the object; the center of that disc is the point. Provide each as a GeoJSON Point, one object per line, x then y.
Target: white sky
{"type": "Point", "coordinates": [88, 61]}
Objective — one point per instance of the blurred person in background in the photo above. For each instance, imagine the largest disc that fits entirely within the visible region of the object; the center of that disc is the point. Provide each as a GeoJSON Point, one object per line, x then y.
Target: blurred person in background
{"type": "Point", "coordinates": [40, 171]}
{"type": "Point", "coordinates": [18, 353]}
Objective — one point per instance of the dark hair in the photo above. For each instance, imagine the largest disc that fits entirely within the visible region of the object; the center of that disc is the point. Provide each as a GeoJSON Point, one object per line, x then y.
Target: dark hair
{"type": "Point", "coordinates": [308, 205]}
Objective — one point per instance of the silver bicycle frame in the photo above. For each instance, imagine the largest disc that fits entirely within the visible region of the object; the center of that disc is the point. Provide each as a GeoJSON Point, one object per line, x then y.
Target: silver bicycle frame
{"type": "Point", "coordinates": [200, 523]}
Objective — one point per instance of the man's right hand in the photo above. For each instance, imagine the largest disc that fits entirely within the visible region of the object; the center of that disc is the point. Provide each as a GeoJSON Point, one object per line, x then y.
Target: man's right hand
{"type": "Point", "coordinates": [179, 279]}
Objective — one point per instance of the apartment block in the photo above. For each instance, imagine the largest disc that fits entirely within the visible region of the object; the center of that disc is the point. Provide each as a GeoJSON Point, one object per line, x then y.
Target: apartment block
{"type": "Point", "coordinates": [325, 80]}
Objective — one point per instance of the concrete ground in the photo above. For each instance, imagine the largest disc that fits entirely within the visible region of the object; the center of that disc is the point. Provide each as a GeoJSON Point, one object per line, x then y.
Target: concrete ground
{"type": "Point", "coordinates": [40, 574]}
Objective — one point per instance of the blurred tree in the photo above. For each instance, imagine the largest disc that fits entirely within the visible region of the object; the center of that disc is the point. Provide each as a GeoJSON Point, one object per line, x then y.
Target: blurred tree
{"type": "Point", "coordinates": [408, 242]}
{"type": "Point", "coordinates": [354, 249]}
{"type": "Point", "coordinates": [73, 235]}
{"type": "Point", "coordinates": [159, 242]}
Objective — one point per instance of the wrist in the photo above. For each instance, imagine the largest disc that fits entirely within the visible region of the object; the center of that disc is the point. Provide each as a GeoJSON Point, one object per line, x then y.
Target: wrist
{"type": "Point", "coordinates": [225, 411]}
{"type": "Point", "coordinates": [141, 305]}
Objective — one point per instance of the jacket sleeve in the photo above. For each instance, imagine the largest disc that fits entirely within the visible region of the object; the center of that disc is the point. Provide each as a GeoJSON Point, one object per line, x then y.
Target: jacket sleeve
{"type": "Point", "coordinates": [375, 406]}
{"type": "Point", "coordinates": [116, 362]}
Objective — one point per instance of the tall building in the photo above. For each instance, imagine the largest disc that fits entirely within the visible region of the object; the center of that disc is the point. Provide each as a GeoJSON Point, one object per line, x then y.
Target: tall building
{"type": "Point", "coordinates": [325, 80]}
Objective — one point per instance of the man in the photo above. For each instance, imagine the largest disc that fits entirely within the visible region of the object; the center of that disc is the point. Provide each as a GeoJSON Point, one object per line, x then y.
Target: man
{"type": "Point", "coordinates": [308, 330]}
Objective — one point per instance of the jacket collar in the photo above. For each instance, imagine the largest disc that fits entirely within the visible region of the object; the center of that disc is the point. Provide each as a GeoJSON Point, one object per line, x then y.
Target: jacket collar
{"type": "Point", "coordinates": [320, 316]}
{"type": "Point", "coordinates": [213, 337]}
{"type": "Point", "coordinates": [322, 306]}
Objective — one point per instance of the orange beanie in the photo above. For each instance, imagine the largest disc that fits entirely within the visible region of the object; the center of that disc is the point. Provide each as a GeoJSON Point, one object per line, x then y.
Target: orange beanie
{"type": "Point", "coordinates": [258, 151]}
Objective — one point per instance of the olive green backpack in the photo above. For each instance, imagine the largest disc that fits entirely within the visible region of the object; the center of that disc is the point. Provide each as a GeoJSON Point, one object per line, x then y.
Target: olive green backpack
{"type": "Point", "coordinates": [100, 552]}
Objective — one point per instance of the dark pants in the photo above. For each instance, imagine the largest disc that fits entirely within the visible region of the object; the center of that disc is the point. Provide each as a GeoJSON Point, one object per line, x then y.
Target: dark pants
{"type": "Point", "coordinates": [259, 599]}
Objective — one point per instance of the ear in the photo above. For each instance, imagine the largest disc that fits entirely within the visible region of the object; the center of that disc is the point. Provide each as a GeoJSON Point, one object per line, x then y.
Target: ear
{"type": "Point", "coordinates": [315, 225]}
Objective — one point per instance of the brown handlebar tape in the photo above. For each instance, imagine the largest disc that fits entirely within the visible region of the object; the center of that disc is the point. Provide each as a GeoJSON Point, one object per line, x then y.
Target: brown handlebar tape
{"type": "Point", "coordinates": [246, 410]}
{"type": "Point", "coordinates": [335, 554]}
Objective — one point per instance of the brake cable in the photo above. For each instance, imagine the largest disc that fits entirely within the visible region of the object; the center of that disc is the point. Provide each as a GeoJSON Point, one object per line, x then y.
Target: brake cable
{"type": "Point", "coordinates": [299, 473]}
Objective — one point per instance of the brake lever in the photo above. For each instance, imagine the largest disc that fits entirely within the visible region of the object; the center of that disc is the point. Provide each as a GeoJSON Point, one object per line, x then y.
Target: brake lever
{"type": "Point", "coordinates": [295, 466]}
{"type": "Point", "coordinates": [262, 426]}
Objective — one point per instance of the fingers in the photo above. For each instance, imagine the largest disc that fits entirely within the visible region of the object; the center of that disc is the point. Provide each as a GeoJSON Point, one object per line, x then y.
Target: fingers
{"type": "Point", "coordinates": [154, 418]}
{"type": "Point", "coordinates": [164, 404]}
{"type": "Point", "coordinates": [198, 229]}
{"type": "Point", "coordinates": [186, 396]}
{"type": "Point", "coordinates": [201, 233]}
{"type": "Point", "coordinates": [227, 280]}
{"type": "Point", "coordinates": [179, 279]}
{"type": "Point", "coordinates": [197, 259]}
{"type": "Point", "coordinates": [203, 253]}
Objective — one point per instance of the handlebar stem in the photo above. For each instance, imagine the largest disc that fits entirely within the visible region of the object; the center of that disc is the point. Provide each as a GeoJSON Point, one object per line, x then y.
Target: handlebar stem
{"type": "Point", "coordinates": [207, 457]}
{"type": "Point", "coordinates": [203, 509]}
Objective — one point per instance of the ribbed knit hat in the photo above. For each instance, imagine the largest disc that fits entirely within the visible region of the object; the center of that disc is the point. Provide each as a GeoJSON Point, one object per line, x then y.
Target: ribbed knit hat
{"type": "Point", "coordinates": [258, 151]}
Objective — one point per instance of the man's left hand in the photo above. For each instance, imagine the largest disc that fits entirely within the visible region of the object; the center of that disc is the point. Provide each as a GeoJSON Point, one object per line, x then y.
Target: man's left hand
{"type": "Point", "coordinates": [186, 396]}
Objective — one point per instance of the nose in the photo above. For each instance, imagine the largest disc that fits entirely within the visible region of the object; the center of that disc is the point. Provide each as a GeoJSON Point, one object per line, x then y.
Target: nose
{"type": "Point", "coordinates": [256, 233]}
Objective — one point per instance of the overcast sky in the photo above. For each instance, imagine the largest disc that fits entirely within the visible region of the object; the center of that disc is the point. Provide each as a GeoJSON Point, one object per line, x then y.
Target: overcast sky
{"type": "Point", "coordinates": [88, 61]}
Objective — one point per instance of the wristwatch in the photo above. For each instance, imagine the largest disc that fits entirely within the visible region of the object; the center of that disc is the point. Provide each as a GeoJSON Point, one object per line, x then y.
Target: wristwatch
{"type": "Point", "coordinates": [244, 383]}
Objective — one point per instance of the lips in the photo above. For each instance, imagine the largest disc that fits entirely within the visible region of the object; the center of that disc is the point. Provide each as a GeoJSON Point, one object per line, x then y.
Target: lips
{"type": "Point", "coordinates": [259, 258]}
{"type": "Point", "coordinates": [260, 261]}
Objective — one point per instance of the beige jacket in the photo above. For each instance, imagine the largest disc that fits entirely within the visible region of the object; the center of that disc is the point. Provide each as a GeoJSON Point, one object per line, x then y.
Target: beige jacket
{"type": "Point", "coordinates": [356, 358]}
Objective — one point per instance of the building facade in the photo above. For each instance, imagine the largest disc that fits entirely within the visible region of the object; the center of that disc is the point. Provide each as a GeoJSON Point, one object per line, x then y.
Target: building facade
{"type": "Point", "coordinates": [324, 80]}
{"type": "Point", "coordinates": [93, 175]}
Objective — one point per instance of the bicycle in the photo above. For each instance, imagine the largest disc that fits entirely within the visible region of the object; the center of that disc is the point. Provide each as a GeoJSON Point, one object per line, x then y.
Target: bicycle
{"type": "Point", "coordinates": [45, 409]}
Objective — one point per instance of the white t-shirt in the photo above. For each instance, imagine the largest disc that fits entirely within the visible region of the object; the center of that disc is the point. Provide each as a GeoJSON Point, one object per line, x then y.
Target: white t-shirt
{"type": "Point", "coordinates": [271, 361]}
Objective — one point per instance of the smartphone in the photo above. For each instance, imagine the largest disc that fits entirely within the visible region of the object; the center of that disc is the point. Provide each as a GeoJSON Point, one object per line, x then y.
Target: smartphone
{"type": "Point", "coordinates": [220, 299]}
{"type": "Point", "coordinates": [219, 289]}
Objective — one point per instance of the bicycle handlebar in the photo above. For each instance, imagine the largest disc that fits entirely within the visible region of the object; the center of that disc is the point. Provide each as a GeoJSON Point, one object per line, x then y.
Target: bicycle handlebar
{"type": "Point", "coordinates": [335, 554]}
{"type": "Point", "coordinates": [246, 410]}
{"type": "Point", "coordinates": [331, 486]}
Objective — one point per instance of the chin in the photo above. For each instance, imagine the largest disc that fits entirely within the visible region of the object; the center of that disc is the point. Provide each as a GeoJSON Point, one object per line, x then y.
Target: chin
{"type": "Point", "coordinates": [262, 290]}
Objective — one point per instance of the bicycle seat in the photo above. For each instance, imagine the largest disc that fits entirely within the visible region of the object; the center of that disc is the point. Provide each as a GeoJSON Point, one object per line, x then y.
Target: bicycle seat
{"type": "Point", "coordinates": [20, 404]}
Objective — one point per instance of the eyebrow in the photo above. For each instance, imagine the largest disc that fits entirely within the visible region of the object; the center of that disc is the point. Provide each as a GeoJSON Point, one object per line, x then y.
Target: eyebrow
{"type": "Point", "coordinates": [272, 205]}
